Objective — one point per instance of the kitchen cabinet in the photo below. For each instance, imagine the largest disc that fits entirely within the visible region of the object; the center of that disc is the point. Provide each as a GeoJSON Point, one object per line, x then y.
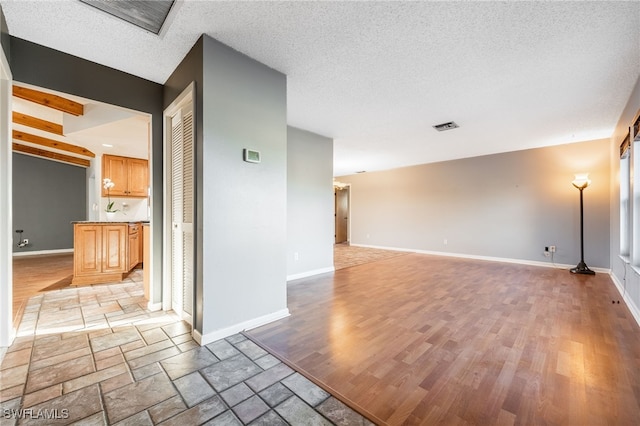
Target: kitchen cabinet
{"type": "Point", "coordinates": [104, 252]}
{"type": "Point", "coordinates": [135, 238]}
{"type": "Point", "coordinates": [146, 257]}
{"type": "Point", "coordinates": [130, 176]}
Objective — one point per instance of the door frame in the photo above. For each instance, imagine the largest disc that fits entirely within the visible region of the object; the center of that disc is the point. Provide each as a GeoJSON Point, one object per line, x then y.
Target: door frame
{"type": "Point", "coordinates": [187, 96]}
{"type": "Point", "coordinates": [7, 328]}
{"type": "Point", "coordinates": [335, 211]}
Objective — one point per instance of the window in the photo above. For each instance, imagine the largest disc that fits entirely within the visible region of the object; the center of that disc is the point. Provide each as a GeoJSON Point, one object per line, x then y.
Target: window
{"type": "Point", "coordinates": [633, 139]}
{"type": "Point", "coordinates": [625, 206]}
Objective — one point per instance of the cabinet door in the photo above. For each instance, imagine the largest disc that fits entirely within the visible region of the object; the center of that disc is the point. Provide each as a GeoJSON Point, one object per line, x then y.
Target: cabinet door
{"type": "Point", "coordinates": [114, 248]}
{"type": "Point", "coordinates": [134, 250]}
{"type": "Point", "coordinates": [116, 169]}
{"type": "Point", "coordinates": [138, 177]}
{"type": "Point", "coordinates": [87, 253]}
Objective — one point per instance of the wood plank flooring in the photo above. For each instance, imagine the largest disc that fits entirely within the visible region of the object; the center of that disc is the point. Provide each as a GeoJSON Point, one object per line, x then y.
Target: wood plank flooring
{"type": "Point", "coordinates": [346, 256]}
{"type": "Point", "coordinates": [34, 274]}
{"type": "Point", "coordinates": [420, 339]}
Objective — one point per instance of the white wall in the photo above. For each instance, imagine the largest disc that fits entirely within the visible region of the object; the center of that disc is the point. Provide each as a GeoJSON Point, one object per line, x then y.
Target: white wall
{"type": "Point", "coordinates": [243, 215]}
{"type": "Point", "coordinates": [507, 206]}
{"type": "Point", "coordinates": [6, 234]}
{"type": "Point", "coordinates": [310, 204]}
{"type": "Point", "coordinates": [136, 209]}
{"type": "Point", "coordinates": [624, 275]}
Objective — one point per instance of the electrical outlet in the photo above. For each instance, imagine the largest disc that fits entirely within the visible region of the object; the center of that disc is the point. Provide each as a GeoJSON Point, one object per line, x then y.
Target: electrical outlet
{"type": "Point", "coordinates": [552, 249]}
{"type": "Point", "coordinates": [25, 241]}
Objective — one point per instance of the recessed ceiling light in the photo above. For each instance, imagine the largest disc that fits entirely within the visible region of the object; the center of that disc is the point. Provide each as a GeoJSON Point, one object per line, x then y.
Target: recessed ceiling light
{"type": "Point", "coordinates": [107, 145]}
{"type": "Point", "coordinates": [446, 126]}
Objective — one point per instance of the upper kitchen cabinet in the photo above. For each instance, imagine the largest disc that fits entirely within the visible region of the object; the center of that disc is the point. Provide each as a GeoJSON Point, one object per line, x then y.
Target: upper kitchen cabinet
{"type": "Point", "coordinates": [130, 175]}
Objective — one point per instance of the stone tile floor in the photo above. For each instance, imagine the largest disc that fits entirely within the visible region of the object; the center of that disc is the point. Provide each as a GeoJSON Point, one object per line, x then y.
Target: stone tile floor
{"type": "Point", "coordinates": [95, 355]}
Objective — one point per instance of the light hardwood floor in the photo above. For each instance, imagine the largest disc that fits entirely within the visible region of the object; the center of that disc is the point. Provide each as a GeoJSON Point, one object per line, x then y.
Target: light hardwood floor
{"type": "Point", "coordinates": [34, 274]}
{"type": "Point", "coordinates": [420, 339]}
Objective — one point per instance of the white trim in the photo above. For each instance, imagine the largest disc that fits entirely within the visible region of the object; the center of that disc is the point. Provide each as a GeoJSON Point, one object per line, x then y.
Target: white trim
{"type": "Point", "coordinates": [487, 258]}
{"type": "Point", "coordinates": [7, 327]}
{"type": "Point", "coordinates": [197, 336]}
{"type": "Point", "coordinates": [41, 252]}
{"type": "Point", "coordinates": [154, 306]}
{"type": "Point", "coordinates": [635, 311]}
{"type": "Point", "coordinates": [236, 328]}
{"type": "Point", "coordinates": [310, 273]}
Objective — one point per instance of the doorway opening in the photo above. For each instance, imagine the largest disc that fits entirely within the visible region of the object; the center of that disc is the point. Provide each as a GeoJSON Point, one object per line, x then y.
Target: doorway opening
{"type": "Point", "coordinates": [179, 187]}
{"type": "Point", "coordinates": [341, 194]}
{"type": "Point", "coordinates": [71, 146]}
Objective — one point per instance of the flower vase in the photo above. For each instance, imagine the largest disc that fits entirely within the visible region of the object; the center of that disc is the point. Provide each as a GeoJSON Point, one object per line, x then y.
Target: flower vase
{"type": "Point", "coordinates": [111, 216]}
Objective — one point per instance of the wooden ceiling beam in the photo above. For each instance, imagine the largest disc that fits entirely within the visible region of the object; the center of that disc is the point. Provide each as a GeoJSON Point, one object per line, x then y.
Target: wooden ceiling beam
{"type": "Point", "coordinates": [37, 123]}
{"type": "Point", "coordinates": [49, 100]}
{"type": "Point", "coordinates": [50, 143]}
{"type": "Point", "coordinates": [51, 155]}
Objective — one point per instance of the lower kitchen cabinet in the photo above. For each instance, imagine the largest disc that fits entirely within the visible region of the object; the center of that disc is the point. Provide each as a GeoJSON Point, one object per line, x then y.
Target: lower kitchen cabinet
{"type": "Point", "coordinates": [102, 252]}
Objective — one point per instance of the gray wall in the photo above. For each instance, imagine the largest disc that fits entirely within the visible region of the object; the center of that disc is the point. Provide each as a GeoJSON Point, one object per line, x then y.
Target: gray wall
{"type": "Point", "coordinates": [240, 207]}
{"type": "Point", "coordinates": [310, 203]}
{"type": "Point", "coordinates": [51, 69]}
{"type": "Point", "coordinates": [507, 205]}
{"type": "Point", "coordinates": [626, 277]}
{"type": "Point", "coordinates": [244, 205]}
{"type": "Point", "coordinates": [47, 197]}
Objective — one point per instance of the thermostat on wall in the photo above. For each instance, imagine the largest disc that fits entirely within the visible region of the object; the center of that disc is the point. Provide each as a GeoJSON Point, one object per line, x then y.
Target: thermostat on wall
{"type": "Point", "coordinates": [251, 156]}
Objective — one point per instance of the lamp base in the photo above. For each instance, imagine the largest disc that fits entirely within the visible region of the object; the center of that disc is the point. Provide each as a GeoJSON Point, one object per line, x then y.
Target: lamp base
{"type": "Point", "coordinates": [582, 268]}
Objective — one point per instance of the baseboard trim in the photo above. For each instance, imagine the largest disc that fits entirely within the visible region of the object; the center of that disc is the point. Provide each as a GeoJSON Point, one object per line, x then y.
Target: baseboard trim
{"type": "Point", "coordinates": [197, 336]}
{"type": "Point", "coordinates": [310, 273]}
{"type": "Point", "coordinates": [41, 252]}
{"type": "Point", "coordinates": [487, 258]}
{"type": "Point", "coordinates": [154, 306]}
{"type": "Point", "coordinates": [205, 339]}
{"type": "Point", "coordinates": [635, 311]}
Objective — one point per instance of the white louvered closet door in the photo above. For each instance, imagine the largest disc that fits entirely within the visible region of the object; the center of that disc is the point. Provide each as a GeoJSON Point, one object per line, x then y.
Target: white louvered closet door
{"type": "Point", "coordinates": [182, 177]}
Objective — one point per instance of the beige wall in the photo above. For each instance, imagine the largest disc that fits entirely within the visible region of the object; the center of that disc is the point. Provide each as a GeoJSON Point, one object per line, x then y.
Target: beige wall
{"type": "Point", "coordinates": [508, 205]}
{"type": "Point", "coordinates": [310, 220]}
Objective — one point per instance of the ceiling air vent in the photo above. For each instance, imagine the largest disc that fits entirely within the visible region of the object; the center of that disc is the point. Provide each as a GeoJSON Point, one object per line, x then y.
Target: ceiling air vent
{"type": "Point", "coordinates": [146, 14]}
{"type": "Point", "coordinates": [446, 126]}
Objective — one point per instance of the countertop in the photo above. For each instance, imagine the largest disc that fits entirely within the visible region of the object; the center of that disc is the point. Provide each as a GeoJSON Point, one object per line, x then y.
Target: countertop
{"type": "Point", "coordinates": [118, 222]}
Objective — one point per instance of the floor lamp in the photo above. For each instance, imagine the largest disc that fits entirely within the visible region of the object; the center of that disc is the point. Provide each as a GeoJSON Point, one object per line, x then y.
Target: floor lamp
{"type": "Point", "coordinates": [581, 182]}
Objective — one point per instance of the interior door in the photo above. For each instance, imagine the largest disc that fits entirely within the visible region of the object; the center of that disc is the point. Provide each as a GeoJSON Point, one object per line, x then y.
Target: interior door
{"type": "Point", "coordinates": [181, 190]}
{"type": "Point", "coordinates": [342, 214]}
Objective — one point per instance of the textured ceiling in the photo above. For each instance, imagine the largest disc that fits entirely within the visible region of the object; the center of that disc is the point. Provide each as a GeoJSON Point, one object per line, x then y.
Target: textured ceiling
{"type": "Point", "coordinates": [376, 76]}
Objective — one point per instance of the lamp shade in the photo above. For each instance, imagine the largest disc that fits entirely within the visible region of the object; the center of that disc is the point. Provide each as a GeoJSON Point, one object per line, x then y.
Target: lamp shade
{"type": "Point", "coordinates": [581, 181]}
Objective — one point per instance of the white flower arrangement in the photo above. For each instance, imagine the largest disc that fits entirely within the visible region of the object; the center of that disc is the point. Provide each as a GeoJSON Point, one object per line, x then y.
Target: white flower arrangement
{"type": "Point", "coordinates": [108, 184]}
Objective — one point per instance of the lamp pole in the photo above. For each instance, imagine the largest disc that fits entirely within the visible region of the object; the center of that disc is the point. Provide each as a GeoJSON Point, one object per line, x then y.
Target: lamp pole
{"type": "Point", "coordinates": [581, 182]}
